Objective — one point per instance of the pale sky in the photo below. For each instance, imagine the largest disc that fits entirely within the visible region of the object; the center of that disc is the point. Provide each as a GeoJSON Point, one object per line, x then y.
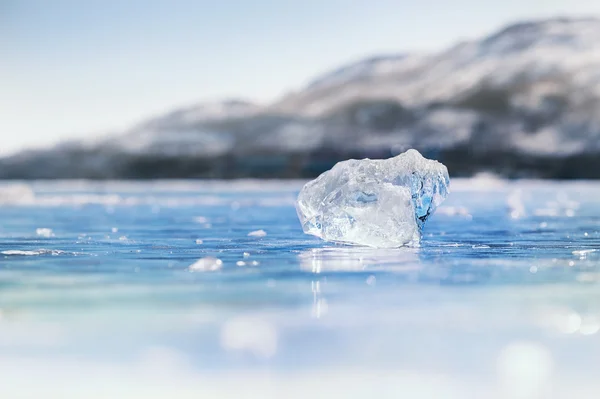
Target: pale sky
{"type": "Point", "coordinates": [80, 68]}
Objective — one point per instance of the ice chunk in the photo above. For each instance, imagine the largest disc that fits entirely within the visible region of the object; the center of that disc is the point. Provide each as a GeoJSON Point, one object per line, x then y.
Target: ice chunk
{"type": "Point", "coordinates": [44, 232]}
{"type": "Point", "coordinates": [208, 264]}
{"type": "Point", "coordinates": [257, 233]}
{"type": "Point", "coordinates": [378, 203]}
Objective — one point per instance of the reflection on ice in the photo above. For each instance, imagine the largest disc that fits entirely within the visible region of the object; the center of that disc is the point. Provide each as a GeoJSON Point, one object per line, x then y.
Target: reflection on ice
{"type": "Point", "coordinates": [454, 211]}
{"type": "Point", "coordinates": [582, 254]}
{"type": "Point", "coordinates": [515, 204]}
{"type": "Point", "coordinates": [319, 307]}
{"type": "Point", "coordinates": [350, 259]}
{"type": "Point", "coordinates": [521, 204]}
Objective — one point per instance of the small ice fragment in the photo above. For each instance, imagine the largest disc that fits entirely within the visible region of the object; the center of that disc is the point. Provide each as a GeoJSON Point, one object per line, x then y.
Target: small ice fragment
{"type": "Point", "coordinates": [240, 263]}
{"type": "Point", "coordinates": [21, 253]}
{"type": "Point", "coordinates": [254, 263]}
{"type": "Point", "coordinates": [208, 264]}
{"type": "Point", "coordinates": [44, 232]}
{"type": "Point", "coordinates": [201, 219]}
{"type": "Point", "coordinates": [371, 280]}
{"type": "Point", "coordinates": [115, 229]}
{"type": "Point", "coordinates": [377, 203]}
{"type": "Point", "coordinates": [246, 254]}
{"type": "Point", "coordinates": [123, 238]}
{"type": "Point", "coordinates": [199, 241]}
{"type": "Point", "coordinates": [257, 233]}
{"type": "Point", "coordinates": [53, 252]}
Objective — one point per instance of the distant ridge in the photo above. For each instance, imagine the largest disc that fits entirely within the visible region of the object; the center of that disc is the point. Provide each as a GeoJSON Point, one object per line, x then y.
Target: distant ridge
{"type": "Point", "coordinates": [523, 101]}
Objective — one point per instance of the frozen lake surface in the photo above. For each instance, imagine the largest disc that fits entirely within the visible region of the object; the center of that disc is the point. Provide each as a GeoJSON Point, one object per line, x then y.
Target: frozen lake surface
{"type": "Point", "coordinates": [97, 297]}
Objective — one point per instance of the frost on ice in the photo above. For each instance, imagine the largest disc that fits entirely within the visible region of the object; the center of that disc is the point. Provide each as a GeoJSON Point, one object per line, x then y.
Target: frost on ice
{"type": "Point", "coordinates": [378, 203]}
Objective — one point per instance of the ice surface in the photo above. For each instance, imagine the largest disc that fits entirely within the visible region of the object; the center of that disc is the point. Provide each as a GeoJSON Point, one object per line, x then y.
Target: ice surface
{"type": "Point", "coordinates": [431, 309]}
{"type": "Point", "coordinates": [378, 203]}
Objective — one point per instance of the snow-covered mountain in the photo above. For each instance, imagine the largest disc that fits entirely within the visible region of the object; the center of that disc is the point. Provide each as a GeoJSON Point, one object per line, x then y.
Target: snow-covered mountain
{"type": "Point", "coordinates": [524, 53]}
{"type": "Point", "coordinates": [522, 101]}
{"type": "Point", "coordinates": [181, 131]}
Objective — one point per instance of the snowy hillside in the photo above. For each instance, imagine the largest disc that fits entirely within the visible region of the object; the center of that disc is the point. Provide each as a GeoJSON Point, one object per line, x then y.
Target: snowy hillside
{"type": "Point", "coordinates": [562, 50]}
{"type": "Point", "coordinates": [524, 101]}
